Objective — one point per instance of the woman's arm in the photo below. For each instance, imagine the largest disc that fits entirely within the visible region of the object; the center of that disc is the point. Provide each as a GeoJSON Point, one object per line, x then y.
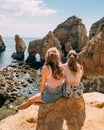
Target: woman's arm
{"type": "Point", "coordinates": [82, 70]}
{"type": "Point", "coordinates": [44, 73]}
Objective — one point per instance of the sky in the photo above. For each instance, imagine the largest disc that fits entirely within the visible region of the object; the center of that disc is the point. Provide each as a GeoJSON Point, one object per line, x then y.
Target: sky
{"type": "Point", "coordinates": [35, 18]}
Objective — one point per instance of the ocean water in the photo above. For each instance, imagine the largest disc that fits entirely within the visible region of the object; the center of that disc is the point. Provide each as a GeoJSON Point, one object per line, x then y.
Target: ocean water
{"type": "Point", "coordinates": [5, 56]}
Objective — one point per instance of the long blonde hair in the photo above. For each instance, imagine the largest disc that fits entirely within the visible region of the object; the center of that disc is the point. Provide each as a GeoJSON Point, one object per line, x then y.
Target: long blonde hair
{"type": "Point", "coordinates": [53, 60]}
{"type": "Point", "coordinates": [72, 60]}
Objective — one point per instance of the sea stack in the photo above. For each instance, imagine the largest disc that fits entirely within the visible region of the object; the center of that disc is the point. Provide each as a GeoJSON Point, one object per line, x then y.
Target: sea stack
{"type": "Point", "coordinates": [20, 48]}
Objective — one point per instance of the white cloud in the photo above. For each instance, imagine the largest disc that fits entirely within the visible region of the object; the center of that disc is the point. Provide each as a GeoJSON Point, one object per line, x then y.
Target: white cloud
{"type": "Point", "coordinates": [27, 7]}
{"type": "Point", "coordinates": [16, 15]}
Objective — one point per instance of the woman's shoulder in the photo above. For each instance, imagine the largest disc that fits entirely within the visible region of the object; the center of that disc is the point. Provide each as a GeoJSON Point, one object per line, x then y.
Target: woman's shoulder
{"type": "Point", "coordinates": [45, 69]}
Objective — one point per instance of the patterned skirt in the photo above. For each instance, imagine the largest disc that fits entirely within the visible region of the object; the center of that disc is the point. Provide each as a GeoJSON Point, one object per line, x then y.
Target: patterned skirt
{"type": "Point", "coordinates": [70, 91]}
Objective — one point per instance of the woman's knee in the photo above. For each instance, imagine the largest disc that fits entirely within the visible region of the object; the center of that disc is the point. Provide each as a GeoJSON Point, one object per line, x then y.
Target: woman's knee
{"type": "Point", "coordinates": [36, 98]}
{"type": "Point", "coordinates": [30, 101]}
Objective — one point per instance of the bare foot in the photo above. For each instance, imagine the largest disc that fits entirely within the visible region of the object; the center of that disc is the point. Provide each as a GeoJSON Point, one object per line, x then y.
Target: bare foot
{"type": "Point", "coordinates": [13, 107]}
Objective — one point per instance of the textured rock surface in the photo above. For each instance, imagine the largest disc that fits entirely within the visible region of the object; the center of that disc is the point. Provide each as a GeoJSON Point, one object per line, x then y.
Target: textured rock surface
{"type": "Point", "coordinates": [92, 55]}
{"type": "Point", "coordinates": [17, 80]}
{"type": "Point", "coordinates": [64, 114]}
{"type": "Point", "coordinates": [41, 46]}
{"type": "Point", "coordinates": [20, 48]}
{"type": "Point", "coordinates": [95, 27]}
{"type": "Point", "coordinates": [73, 31]}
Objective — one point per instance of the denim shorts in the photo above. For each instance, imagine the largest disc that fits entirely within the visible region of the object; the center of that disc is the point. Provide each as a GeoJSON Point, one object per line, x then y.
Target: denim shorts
{"type": "Point", "coordinates": [51, 94]}
{"type": "Point", "coordinates": [70, 91]}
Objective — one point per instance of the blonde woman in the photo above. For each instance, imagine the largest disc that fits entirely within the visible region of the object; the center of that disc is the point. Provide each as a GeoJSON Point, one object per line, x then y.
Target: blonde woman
{"type": "Point", "coordinates": [51, 81]}
{"type": "Point", "coordinates": [73, 88]}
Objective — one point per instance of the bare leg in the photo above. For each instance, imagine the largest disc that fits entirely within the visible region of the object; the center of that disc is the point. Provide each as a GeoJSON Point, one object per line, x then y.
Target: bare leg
{"type": "Point", "coordinates": [30, 101]}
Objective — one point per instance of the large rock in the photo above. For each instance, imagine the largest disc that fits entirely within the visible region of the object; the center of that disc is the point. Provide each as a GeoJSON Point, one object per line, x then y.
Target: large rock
{"type": "Point", "coordinates": [73, 31]}
{"type": "Point", "coordinates": [41, 46]}
{"type": "Point", "coordinates": [92, 55]}
{"type": "Point", "coordinates": [2, 45]}
{"type": "Point", "coordinates": [64, 114]}
{"type": "Point", "coordinates": [95, 27]}
{"type": "Point", "coordinates": [20, 48]}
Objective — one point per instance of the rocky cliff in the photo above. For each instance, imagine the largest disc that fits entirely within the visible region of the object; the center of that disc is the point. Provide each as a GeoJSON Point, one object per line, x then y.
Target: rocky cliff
{"type": "Point", "coordinates": [41, 46]}
{"type": "Point", "coordinates": [71, 31]}
{"type": "Point", "coordinates": [84, 113]}
{"type": "Point", "coordinates": [92, 55]}
{"type": "Point", "coordinates": [95, 27]}
{"type": "Point", "coordinates": [71, 34]}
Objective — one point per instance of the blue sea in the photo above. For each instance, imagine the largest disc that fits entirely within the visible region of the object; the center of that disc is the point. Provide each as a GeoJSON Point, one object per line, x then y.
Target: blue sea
{"type": "Point", "coordinates": [5, 56]}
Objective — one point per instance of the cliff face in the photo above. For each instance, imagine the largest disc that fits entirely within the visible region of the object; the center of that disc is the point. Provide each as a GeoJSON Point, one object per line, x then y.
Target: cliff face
{"type": "Point", "coordinates": [85, 113]}
{"type": "Point", "coordinates": [71, 34]}
{"type": "Point", "coordinates": [92, 55]}
{"type": "Point", "coordinates": [95, 27]}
